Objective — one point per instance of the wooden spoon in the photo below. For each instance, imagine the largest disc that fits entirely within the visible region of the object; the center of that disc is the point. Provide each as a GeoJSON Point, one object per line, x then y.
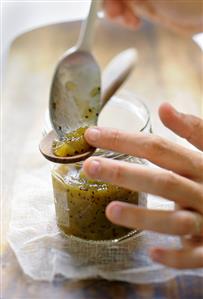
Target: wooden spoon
{"type": "Point", "coordinates": [113, 77]}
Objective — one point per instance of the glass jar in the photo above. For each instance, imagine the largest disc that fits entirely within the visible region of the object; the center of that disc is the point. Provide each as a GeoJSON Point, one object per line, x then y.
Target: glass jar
{"type": "Point", "coordinates": [80, 203]}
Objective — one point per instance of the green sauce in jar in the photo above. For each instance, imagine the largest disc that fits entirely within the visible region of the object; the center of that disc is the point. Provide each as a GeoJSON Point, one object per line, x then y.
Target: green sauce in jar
{"type": "Point", "coordinates": [80, 204]}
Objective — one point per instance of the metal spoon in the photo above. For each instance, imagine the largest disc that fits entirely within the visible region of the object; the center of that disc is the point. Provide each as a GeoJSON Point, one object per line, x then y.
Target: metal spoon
{"type": "Point", "coordinates": [76, 83]}
{"type": "Point", "coordinates": [113, 76]}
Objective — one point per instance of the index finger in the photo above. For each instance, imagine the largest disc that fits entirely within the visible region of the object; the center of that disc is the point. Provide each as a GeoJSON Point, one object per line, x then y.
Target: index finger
{"type": "Point", "coordinates": [153, 148]}
{"type": "Point", "coordinates": [137, 177]}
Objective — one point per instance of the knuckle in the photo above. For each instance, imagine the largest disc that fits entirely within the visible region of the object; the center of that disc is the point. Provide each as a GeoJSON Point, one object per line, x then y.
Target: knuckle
{"type": "Point", "coordinates": [197, 126]}
{"type": "Point", "coordinates": [198, 164]}
{"type": "Point", "coordinates": [199, 196]}
{"type": "Point", "coordinates": [183, 224]}
{"type": "Point", "coordinates": [117, 175]}
{"type": "Point", "coordinates": [168, 181]}
{"type": "Point", "coordinates": [155, 146]}
{"type": "Point", "coordinates": [115, 138]}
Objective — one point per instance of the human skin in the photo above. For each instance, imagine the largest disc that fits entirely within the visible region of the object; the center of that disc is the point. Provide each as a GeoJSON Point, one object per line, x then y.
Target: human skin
{"type": "Point", "coordinates": [179, 178]}
{"type": "Point", "coordinates": [179, 15]}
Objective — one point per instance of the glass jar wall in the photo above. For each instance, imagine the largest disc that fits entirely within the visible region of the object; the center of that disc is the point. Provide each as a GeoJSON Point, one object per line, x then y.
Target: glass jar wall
{"type": "Point", "coordinates": [80, 202]}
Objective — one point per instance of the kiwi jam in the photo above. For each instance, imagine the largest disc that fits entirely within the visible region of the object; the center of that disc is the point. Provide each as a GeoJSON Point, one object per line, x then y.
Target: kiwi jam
{"type": "Point", "coordinates": [80, 204]}
{"type": "Point", "coordinates": [72, 144]}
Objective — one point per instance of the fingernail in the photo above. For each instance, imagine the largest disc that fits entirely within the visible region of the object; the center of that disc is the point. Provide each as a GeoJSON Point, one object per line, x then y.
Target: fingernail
{"type": "Point", "coordinates": [92, 134]}
{"type": "Point", "coordinates": [115, 212]}
{"type": "Point", "coordinates": [94, 167]}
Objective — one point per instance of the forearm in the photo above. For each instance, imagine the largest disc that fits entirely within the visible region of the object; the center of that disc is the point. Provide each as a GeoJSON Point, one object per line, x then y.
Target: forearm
{"type": "Point", "coordinates": [183, 16]}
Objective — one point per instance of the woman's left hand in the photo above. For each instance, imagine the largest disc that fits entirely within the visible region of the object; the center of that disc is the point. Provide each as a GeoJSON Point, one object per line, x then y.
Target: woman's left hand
{"type": "Point", "coordinates": [180, 179]}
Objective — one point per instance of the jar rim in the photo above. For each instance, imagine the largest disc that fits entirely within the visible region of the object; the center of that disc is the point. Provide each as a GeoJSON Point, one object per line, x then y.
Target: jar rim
{"type": "Point", "coordinates": [139, 99]}
{"type": "Point", "coordinates": [135, 100]}
{"type": "Point", "coordinates": [114, 155]}
{"type": "Point", "coordinates": [126, 94]}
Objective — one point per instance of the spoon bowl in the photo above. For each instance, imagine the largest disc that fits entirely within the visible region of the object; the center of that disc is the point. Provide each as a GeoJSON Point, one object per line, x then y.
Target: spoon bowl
{"type": "Point", "coordinates": [75, 90]}
{"type": "Point", "coordinates": [112, 78]}
{"type": "Point", "coordinates": [75, 93]}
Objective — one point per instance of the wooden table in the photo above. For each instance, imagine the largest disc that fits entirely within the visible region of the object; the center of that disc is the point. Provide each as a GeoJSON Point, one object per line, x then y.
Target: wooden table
{"type": "Point", "coordinates": [17, 286]}
{"type": "Point", "coordinates": [169, 69]}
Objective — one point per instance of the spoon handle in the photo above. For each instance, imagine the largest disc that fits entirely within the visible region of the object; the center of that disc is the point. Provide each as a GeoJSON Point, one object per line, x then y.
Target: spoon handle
{"type": "Point", "coordinates": [117, 71]}
{"type": "Point", "coordinates": [87, 29]}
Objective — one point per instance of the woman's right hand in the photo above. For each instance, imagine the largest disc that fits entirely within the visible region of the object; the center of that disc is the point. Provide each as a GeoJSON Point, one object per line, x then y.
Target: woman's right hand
{"type": "Point", "coordinates": [182, 16]}
{"type": "Point", "coordinates": [179, 178]}
{"type": "Point", "coordinates": [122, 12]}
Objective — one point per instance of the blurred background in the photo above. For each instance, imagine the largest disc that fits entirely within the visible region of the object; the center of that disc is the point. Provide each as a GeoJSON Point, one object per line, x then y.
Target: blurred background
{"type": "Point", "coordinates": [36, 33]}
{"type": "Point", "coordinates": [18, 17]}
{"type": "Point", "coordinates": [21, 16]}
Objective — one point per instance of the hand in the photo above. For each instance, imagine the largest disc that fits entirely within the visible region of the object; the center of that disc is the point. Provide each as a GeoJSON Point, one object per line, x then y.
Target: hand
{"type": "Point", "coordinates": [180, 179]}
{"type": "Point", "coordinates": [178, 15]}
{"type": "Point", "coordinates": [122, 11]}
